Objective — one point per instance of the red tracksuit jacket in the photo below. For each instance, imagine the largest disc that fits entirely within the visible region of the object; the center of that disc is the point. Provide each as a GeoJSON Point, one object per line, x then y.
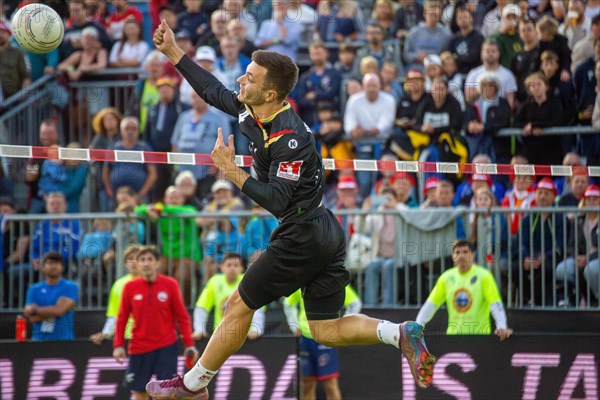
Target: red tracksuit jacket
{"type": "Point", "coordinates": [155, 306]}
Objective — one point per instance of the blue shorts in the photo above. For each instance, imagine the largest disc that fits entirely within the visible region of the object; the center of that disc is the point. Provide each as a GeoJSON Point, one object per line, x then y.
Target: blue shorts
{"type": "Point", "coordinates": [318, 362]}
{"type": "Point", "coordinates": [162, 362]}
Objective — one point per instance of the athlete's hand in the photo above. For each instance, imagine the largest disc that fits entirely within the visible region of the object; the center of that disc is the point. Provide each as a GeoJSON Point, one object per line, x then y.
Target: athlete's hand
{"type": "Point", "coordinates": [503, 334]}
{"type": "Point", "coordinates": [163, 38]}
{"type": "Point", "coordinates": [253, 335]}
{"type": "Point", "coordinates": [199, 335]}
{"type": "Point", "coordinates": [119, 354]}
{"type": "Point", "coordinates": [97, 338]}
{"type": "Point", "coordinates": [223, 154]}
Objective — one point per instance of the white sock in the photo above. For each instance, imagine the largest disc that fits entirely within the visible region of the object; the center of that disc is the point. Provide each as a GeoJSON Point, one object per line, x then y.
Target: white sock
{"type": "Point", "coordinates": [198, 377]}
{"type": "Point", "coordinates": [389, 333]}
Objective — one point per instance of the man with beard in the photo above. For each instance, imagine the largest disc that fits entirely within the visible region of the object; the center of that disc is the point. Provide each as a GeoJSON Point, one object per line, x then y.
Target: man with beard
{"type": "Point", "coordinates": [527, 61]}
{"type": "Point", "coordinates": [49, 305]}
{"type": "Point", "coordinates": [428, 37]}
{"type": "Point", "coordinates": [410, 102]}
{"type": "Point", "coordinates": [490, 55]}
{"type": "Point", "coordinates": [321, 84]}
{"type": "Point", "coordinates": [378, 48]}
{"type": "Point", "coordinates": [466, 43]}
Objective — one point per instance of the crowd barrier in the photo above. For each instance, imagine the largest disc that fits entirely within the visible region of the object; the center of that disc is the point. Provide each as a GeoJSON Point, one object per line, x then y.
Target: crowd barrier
{"type": "Point", "coordinates": [422, 251]}
{"type": "Point", "coordinates": [468, 367]}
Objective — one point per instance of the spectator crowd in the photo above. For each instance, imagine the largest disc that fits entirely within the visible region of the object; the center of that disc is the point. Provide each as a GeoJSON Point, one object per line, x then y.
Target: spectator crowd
{"type": "Point", "coordinates": [409, 80]}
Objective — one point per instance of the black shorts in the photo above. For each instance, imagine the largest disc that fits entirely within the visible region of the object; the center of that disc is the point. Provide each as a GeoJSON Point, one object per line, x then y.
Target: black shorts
{"type": "Point", "coordinates": [307, 255]}
{"type": "Point", "coordinates": [162, 362]}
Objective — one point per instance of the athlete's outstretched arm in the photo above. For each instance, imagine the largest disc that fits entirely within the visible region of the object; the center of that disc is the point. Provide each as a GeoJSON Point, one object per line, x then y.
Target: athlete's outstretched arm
{"type": "Point", "coordinates": [204, 83]}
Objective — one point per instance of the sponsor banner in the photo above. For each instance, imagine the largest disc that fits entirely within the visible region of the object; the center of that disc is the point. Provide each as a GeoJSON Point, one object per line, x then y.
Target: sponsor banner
{"type": "Point", "coordinates": [479, 367]}
{"type": "Point", "coordinates": [263, 369]}
{"type": "Point", "coordinates": [468, 367]}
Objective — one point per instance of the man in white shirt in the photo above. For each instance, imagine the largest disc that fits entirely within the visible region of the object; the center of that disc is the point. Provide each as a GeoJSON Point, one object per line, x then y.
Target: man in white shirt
{"type": "Point", "coordinates": [576, 25]}
{"type": "Point", "coordinates": [490, 55]}
{"type": "Point", "coordinates": [369, 114]}
{"type": "Point", "coordinates": [493, 19]}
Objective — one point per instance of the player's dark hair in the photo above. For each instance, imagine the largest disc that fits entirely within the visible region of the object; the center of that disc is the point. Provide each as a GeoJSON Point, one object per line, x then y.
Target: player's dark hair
{"type": "Point", "coordinates": [318, 44]}
{"type": "Point", "coordinates": [52, 257]}
{"type": "Point", "coordinates": [233, 255]}
{"type": "Point", "coordinates": [282, 72]}
{"type": "Point", "coordinates": [387, 190]}
{"type": "Point", "coordinates": [462, 243]}
{"type": "Point", "coordinates": [148, 250]}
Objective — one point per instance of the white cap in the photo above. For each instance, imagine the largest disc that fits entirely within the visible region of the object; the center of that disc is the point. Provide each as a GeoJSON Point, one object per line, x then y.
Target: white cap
{"type": "Point", "coordinates": [432, 59]}
{"type": "Point", "coordinates": [511, 9]}
{"type": "Point", "coordinates": [218, 185]}
{"type": "Point", "coordinates": [206, 53]}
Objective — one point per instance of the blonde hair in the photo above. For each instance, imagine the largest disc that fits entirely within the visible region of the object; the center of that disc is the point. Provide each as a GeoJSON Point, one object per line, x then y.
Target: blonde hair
{"type": "Point", "coordinates": [446, 55]}
{"type": "Point", "coordinates": [131, 251]}
{"type": "Point", "coordinates": [365, 62]}
{"type": "Point", "coordinates": [97, 222]}
{"type": "Point", "coordinates": [537, 75]}
{"type": "Point", "coordinates": [388, 3]}
{"type": "Point", "coordinates": [547, 25]}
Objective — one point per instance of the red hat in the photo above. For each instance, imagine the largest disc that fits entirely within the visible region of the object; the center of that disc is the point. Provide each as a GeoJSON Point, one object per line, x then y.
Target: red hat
{"type": "Point", "coordinates": [404, 176]}
{"type": "Point", "coordinates": [347, 182]}
{"type": "Point", "coordinates": [548, 184]}
{"type": "Point", "coordinates": [4, 27]}
{"type": "Point", "coordinates": [592, 191]}
{"type": "Point", "coordinates": [431, 183]}
{"type": "Point", "coordinates": [482, 177]}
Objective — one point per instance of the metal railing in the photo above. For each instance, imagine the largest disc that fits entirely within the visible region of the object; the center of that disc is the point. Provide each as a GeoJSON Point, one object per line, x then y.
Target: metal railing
{"type": "Point", "coordinates": [560, 279]}
{"type": "Point", "coordinates": [100, 91]}
{"type": "Point", "coordinates": [47, 98]}
{"type": "Point", "coordinates": [24, 111]}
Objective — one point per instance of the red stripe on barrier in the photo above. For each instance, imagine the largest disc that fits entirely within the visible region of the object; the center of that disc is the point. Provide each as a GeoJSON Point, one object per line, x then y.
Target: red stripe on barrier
{"type": "Point", "coordinates": [543, 170]}
{"type": "Point", "coordinates": [102, 155]}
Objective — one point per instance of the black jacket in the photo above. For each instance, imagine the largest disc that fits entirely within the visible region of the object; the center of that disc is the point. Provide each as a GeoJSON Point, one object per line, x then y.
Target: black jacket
{"type": "Point", "coordinates": [579, 248]}
{"type": "Point", "coordinates": [466, 51]}
{"type": "Point", "coordinates": [448, 118]}
{"type": "Point", "coordinates": [498, 116]}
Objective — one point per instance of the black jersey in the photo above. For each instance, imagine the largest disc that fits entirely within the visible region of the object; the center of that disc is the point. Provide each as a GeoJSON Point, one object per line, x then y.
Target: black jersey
{"type": "Point", "coordinates": [289, 168]}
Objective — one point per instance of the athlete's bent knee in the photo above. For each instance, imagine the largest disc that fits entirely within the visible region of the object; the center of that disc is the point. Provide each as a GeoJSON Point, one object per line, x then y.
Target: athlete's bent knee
{"type": "Point", "coordinates": [236, 306]}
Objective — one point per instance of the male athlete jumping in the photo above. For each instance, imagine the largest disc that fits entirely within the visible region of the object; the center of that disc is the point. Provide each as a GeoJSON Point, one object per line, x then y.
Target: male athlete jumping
{"type": "Point", "coordinates": [308, 248]}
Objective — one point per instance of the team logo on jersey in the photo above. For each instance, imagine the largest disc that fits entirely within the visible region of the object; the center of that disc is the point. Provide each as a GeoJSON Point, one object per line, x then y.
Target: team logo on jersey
{"type": "Point", "coordinates": [289, 170]}
{"type": "Point", "coordinates": [162, 296]}
{"type": "Point", "coordinates": [138, 297]}
{"type": "Point", "coordinates": [293, 144]}
{"type": "Point", "coordinates": [462, 300]}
